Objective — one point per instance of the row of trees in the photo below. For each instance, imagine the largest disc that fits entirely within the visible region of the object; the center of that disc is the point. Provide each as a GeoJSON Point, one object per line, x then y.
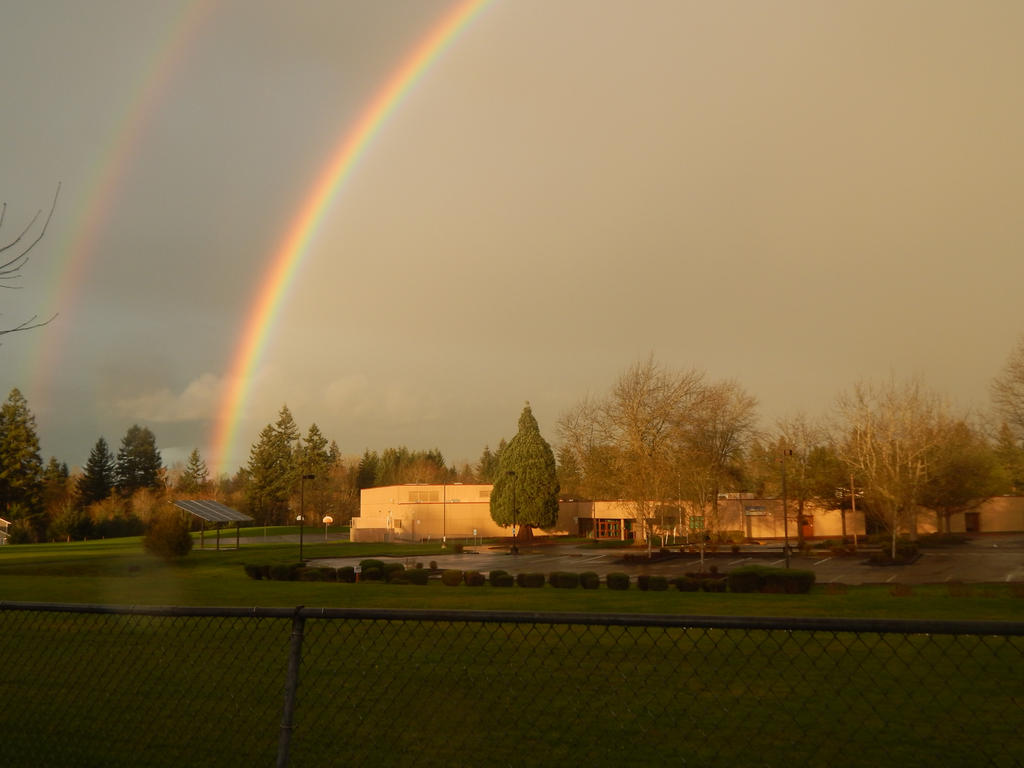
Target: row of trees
{"type": "Point", "coordinates": [672, 441]}
{"type": "Point", "coordinates": [669, 441]}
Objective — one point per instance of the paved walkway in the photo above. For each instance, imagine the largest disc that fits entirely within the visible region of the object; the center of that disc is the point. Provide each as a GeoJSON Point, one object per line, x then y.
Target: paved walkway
{"type": "Point", "coordinates": [986, 559]}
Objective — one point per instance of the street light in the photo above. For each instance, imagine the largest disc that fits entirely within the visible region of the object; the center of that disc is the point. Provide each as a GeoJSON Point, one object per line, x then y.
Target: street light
{"type": "Point", "coordinates": [302, 509]}
{"type": "Point", "coordinates": [515, 549]}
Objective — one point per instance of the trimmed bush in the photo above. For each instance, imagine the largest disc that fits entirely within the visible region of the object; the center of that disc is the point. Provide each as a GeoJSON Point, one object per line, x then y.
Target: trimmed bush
{"type": "Point", "coordinates": [451, 577]}
{"type": "Point", "coordinates": [643, 581]}
{"type": "Point", "coordinates": [617, 580]}
{"type": "Point", "coordinates": [282, 572]}
{"type": "Point", "coordinates": [168, 537]}
{"type": "Point", "coordinates": [749, 578]}
{"type": "Point", "coordinates": [390, 568]}
{"type": "Point", "coordinates": [563, 580]}
{"type": "Point", "coordinates": [395, 576]}
{"type": "Point", "coordinates": [504, 580]}
{"type": "Point", "coordinates": [372, 570]}
{"type": "Point", "coordinates": [474, 579]}
{"type": "Point", "coordinates": [497, 573]}
{"type": "Point", "coordinates": [590, 580]}
{"type": "Point", "coordinates": [253, 571]}
{"type": "Point", "coordinates": [530, 580]}
{"type": "Point", "coordinates": [310, 574]}
{"type": "Point", "coordinates": [418, 576]}
{"type": "Point", "coordinates": [713, 585]}
{"type": "Point", "coordinates": [688, 584]}
{"type": "Point", "coordinates": [347, 574]}
{"type": "Point", "coordinates": [657, 583]}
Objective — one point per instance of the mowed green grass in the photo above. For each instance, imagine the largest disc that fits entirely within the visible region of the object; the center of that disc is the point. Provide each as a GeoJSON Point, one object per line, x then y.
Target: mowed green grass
{"type": "Point", "coordinates": [118, 571]}
{"type": "Point", "coordinates": [91, 689]}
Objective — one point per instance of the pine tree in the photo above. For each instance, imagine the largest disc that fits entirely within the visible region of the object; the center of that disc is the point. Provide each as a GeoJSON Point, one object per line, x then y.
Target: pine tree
{"type": "Point", "coordinates": [526, 488]}
{"type": "Point", "coordinates": [138, 461]}
{"type": "Point", "coordinates": [21, 466]}
{"type": "Point", "coordinates": [366, 472]}
{"type": "Point", "coordinates": [270, 477]}
{"type": "Point", "coordinates": [97, 479]}
{"type": "Point", "coordinates": [196, 475]}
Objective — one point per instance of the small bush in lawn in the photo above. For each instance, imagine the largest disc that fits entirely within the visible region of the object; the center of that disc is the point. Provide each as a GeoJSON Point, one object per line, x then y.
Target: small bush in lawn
{"type": "Point", "coordinates": [390, 568]}
{"type": "Point", "coordinates": [474, 579]}
{"type": "Point", "coordinates": [451, 577]}
{"type": "Point", "coordinates": [688, 584]}
{"type": "Point", "coordinates": [657, 583]}
{"type": "Point", "coordinates": [643, 581]}
{"type": "Point", "coordinates": [433, 565]}
{"type": "Point", "coordinates": [713, 585]}
{"type": "Point", "coordinates": [590, 580]}
{"type": "Point", "coordinates": [282, 572]}
{"type": "Point", "coordinates": [497, 573]}
{"type": "Point", "coordinates": [395, 576]}
{"type": "Point", "coordinates": [749, 578]}
{"type": "Point", "coordinates": [617, 580]}
{"type": "Point", "coordinates": [330, 574]}
{"type": "Point", "coordinates": [347, 574]}
{"type": "Point", "coordinates": [253, 571]}
{"type": "Point", "coordinates": [419, 576]}
{"type": "Point", "coordinates": [168, 536]}
{"type": "Point", "coordinates": [310, 574]}
{"type": "Point", "coordinates": [372, 570]}
{"type": "Point", "coordinates": [530, 580]}
{"type": "Point", "coordinates": [563, 580]}
{"type": "Point", "coordinates": [505, 580]}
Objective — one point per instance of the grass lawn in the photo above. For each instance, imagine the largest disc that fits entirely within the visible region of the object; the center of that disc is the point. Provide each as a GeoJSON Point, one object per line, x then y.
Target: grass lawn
{"type": "Point", "coordinates": [97, 689]}
{"type": "Point", "coordinates": [118, 571]}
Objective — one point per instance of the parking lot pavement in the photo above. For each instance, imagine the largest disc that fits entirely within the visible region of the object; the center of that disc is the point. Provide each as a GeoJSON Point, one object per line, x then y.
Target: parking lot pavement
{"type": "Point", "coordinates": [993, 559]}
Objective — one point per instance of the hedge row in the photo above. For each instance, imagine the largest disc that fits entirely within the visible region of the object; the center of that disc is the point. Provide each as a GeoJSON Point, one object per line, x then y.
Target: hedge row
{"type": "Point", "coordinates": [753, 578]}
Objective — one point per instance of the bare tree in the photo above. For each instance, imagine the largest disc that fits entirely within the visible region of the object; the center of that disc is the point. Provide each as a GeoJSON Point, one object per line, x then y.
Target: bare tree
{"type": "Point", "coordinates": [17, 253]}
{"type": "Point", "coordinates": [890, 433]}
{"type": "Point", "coordinates": [626, 443]}
{"type": "Point", "coordinates": [1008, 389]}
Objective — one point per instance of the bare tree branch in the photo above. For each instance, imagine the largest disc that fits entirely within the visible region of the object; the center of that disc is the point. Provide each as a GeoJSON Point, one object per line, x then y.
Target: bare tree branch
{"type": "Point", "coordinates": [11, 269]}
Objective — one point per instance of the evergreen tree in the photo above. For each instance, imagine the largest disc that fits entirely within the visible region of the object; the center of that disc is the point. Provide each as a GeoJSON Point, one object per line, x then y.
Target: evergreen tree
{"type": "Point", "coordinates": [56, 488]}
{"type": "Point", "coordinates": [366, 472]}
{"type": "Point", "coordinates": [196, 474]}
{"type": "Point", "coordinates": [98, 477]}
{"type": "Point", "coordinates": [138, 461]}
{"type": "Point", "coordinates": [270, 476]}
{"type": "Point", "coordinates": [315, 458]}
{"type": "Point", "coordinates": [21, 466]}
{"type": "Point", "coordinates": [527, 479]}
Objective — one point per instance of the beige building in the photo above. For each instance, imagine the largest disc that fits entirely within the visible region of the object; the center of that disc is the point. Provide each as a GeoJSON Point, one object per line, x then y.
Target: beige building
{"type": "Point", "coordinates": [462, 512]}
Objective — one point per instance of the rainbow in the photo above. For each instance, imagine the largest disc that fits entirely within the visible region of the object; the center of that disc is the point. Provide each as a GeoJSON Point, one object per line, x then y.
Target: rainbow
{"type": "Point", "coordinates": [286, 260]}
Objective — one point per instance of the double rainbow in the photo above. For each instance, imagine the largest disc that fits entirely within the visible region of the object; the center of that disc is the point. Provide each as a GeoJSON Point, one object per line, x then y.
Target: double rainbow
{"type": "Point", "coordinates": [286, 260]}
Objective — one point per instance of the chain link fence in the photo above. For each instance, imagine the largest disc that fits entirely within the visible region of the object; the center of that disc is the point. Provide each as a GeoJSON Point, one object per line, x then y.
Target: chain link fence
{"type": "Point", "coordinates": [111, 686]}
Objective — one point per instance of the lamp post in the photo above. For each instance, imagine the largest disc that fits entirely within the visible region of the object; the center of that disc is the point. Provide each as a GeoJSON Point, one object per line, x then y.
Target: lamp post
{"type": "Point", "coordinates": [327, 521]}
{"type": "Point", "coordinates": [785, 508]}
{"type": "Point", "coordinates": [302, 509]}
{"type": "Point", "coordinates": [515, 549]}
{"type": "Point", "coordinates": [444, 516]}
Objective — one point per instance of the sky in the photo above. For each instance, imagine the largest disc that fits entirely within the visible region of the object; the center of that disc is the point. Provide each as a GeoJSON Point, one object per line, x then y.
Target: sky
{"type": "Point", "coordinates": [795, 195]}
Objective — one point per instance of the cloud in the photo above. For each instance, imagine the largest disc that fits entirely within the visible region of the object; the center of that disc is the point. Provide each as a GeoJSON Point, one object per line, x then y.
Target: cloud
{"type": "Point", "coordinates": [199, 401]}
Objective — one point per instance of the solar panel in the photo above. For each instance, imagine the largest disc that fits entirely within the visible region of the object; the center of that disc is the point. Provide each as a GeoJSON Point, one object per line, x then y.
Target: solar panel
{"type": "Point", "coordinates": [213, 511]}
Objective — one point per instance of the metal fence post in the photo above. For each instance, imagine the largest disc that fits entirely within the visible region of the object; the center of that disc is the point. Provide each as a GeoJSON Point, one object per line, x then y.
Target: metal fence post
{"type": "Point", "coordinates": [291, 687]}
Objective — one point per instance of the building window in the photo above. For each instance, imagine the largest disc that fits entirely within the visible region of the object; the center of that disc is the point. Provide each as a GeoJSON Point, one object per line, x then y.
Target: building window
{"type": "Point", "coordinates": [608, 529]}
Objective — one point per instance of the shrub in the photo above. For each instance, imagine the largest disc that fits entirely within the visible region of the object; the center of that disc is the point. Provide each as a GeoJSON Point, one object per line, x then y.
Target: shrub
{"type": "Point", "coordinates": [168, 537]}
{"type": "Point", "coordinates": [433, 565]}
{"type": "Point", "coordinates": [281, 572]}
{"type": "Point", "coordinates": [530, 580]}
{"type": "Point", "coordinates": [503, 580]}
{"type": "Point", "coordinates": [373, 573]}
{"type": "Point", "coordinates": [713, 585]}
{"type": "Point", "coordinates": [253, 571]}
{"type": "Point", "coordinates": [657, 583]}
{"type": "Point", "coordinates": [617, 580]}
{"type": "Point", "coordinates": [418, 576]}
{"type": "Point", "coordinates": [458, 549]}
{"type": "Point", "coordinates": [309, 574]}
{"type": "Point", "coordinates": [391, 568]}
{"type": "Point", "coordinates": [749, 578]}
{"type": "Point", "coordinates": [474, 579]}
{"type": "Point", "coordinates": [688, 584]}
{"type": "Point", "coordinates": [396, 576]}
{"type": "Point", "coordinates": [590, 580]}
{"type": "Point", "coordinates": [451, 577]}
{"type": "Point", "coordinates": [347, 574]}
{"type": "Point", "coordinates": [497, 573]}
{"type": "Point", "coordinates": [642, 582]}
{"type": "Point", "coordinates": [372, 570]}
{"type": "Point", "coordinates": [563, 580]}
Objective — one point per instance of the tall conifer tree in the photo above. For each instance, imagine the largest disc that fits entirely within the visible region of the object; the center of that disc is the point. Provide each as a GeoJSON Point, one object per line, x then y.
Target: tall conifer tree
{"type": "Point", "coordinates": [527, 479]}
